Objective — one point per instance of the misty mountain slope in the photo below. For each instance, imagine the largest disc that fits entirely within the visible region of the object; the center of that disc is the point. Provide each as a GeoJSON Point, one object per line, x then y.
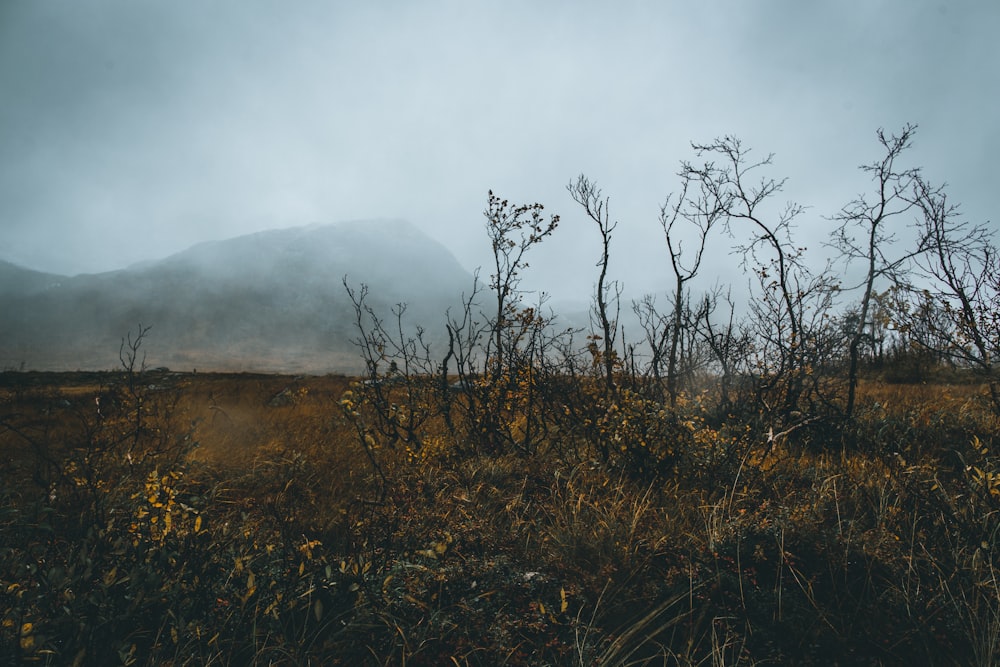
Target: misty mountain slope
{"type": "Point", "coordinates": [267, 301]}
{"type": "Point", "coordinates": [17, 280]}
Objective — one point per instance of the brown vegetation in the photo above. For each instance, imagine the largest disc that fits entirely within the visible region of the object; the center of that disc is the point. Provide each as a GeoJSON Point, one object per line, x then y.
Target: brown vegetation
{"type": "Point", "coordinates": [243, 527]}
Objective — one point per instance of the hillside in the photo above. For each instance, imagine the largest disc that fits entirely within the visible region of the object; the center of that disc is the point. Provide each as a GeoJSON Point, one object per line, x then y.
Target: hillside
{"type": "Point", "coordinates": [15, 280]}
{"type": "Point", "coordinates": [267, 301]}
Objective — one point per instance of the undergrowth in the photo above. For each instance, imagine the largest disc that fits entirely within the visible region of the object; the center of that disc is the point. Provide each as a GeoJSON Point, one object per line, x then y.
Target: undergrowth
{"type": "Point", "coordinates": [238, 521]}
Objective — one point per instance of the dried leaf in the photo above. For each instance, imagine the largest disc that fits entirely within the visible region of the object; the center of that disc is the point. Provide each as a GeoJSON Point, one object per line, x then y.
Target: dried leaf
{"type": "Point", "coordinates": [318, 610]}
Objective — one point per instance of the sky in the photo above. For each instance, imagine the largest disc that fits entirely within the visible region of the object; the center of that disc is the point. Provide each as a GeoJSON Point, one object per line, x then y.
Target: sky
{"type": "Point", "coordinates": [133, 129]}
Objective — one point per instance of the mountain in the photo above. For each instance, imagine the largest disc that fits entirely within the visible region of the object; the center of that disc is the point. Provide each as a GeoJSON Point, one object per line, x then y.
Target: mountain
{"type": "Point", "coordinates": [16, 280]}
{"type": "Point", "coordinates": [273, 300]}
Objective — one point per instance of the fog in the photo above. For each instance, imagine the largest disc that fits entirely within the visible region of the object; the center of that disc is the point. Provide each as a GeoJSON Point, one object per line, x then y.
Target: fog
{"type": "Point", "coordinates": [131, 129]}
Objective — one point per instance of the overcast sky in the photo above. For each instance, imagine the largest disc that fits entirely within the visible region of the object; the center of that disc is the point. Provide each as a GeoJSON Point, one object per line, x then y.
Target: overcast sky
{"type": "Point", "coordinates": [132, 129]}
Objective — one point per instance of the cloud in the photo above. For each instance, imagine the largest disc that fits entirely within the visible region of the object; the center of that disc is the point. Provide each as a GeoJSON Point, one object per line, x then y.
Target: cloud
{"type": "Point", "coordinates": [130, 130]}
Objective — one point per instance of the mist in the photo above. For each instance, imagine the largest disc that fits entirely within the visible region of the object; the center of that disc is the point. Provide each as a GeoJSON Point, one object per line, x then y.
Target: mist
{"type": "Point", "coordinates": [133, 130]}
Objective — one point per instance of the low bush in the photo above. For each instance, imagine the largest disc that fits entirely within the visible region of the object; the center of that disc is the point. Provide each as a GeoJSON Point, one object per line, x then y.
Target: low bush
{"type": "Point", "coordinates": [287, 548]}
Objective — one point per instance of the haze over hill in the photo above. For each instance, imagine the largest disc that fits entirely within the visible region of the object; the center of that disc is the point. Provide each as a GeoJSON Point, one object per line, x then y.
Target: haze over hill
{"type": "Point", "coordinates": [273, 300]}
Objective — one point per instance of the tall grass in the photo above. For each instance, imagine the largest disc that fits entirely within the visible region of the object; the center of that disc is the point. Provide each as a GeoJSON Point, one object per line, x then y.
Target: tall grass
{"type": "Point", "coordinates": [877, 547]}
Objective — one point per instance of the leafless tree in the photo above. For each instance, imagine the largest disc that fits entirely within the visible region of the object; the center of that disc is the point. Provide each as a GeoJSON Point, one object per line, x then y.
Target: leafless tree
{"type": "Point", "coordinates": [729, 343]}
{"type": "Point", "coordinates": [655, 325]}
{"type": "Point", "coordinates": [961, 261]}
{"type": "Point", "coordinates": [606, 297]}
{"type": "Point", "coordinates": [788, 290]}
{"type": "Point", "coordinates": [512, 230]}
{"type": "Point", "coordinates": [701, 211]}
{"type": "Point", "coordinates": [133, 366]}
{"type": "Point", "coordinates": [864, 235]}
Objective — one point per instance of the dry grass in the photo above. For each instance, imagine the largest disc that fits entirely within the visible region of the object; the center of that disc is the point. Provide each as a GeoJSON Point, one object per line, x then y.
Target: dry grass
{"type": "Point", "coordinates": [281, 549]}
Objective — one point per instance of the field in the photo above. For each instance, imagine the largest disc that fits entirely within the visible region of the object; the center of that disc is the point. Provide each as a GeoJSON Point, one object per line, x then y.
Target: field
{"type": "Point", "coordinates": [233, 519]}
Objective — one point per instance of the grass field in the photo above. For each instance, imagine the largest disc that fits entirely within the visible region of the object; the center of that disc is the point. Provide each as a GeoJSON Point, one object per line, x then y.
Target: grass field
{"type": "Point", "coordinates": [234, 519]}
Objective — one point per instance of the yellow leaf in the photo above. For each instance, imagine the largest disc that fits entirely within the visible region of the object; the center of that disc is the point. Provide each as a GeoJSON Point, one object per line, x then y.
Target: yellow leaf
{"type": "Point", "coordinates": [197, 524]}
{"type": "Point", "coordinates": [564, 604]}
